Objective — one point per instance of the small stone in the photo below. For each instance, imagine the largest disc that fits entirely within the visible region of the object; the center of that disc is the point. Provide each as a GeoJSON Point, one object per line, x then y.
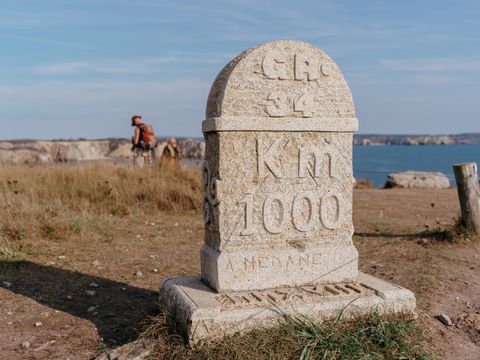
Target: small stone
{"type": "Point", "coordinates": [91, 308]}
{"type": "Point", "coordinates": [176, 224]}
{"type": "Point", "coordinates": [152, 256]}
{"type": "Point", "coordinates": [38, 323]}
{"type": "Point", "coordinates": [96, 263]}
{"type": "Point", "coordinates": [69, 297]}
{"type": "Point", "coordinates": [92, 284]}
{"type": "Point", "coordinates": [444, 319]}
{"type": "Point", "coordinates": [9, 313]}
{"type": "Point", "coordinates": [7, 284]}
{"type": "Point", "coordinates": [50, 263]}
{"type": "Point", "coordinates": [26, 344]}
{"type": "Point", "coordinates": [155, 270]}
{"type": "Point", "coordinates": [139, 236]}
{"type": "Point", "coordinates": [123, 288]}
{"type": "Point", "coordinates": [153, 224]}
{"type": "Point", "coordinates": [457, 298]}
{"type": "Point", "coordinates": [138, 274]}
{"type": "Point", "coordinates": [61, 257]}
{"type": "Point", "coordinates": [90, 292]}
{"type": "Point", "coordinates": [423, 242]}
{"type": "Point", "coordinates": [10, 323]}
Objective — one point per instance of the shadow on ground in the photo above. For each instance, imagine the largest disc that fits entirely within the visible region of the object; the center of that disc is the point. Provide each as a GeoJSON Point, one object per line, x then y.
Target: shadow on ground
{"type": "Point", "coordinates": [121, 308]}
{"type": "Point", "coordinates": [433, 234]}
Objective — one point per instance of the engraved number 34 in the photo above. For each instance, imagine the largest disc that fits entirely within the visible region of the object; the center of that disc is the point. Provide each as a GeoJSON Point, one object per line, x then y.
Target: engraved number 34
{"type": "Point", "coordinates": [279, 104]}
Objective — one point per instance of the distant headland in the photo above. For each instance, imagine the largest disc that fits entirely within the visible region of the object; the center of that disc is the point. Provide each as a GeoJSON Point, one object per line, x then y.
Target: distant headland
{"type": "Point", "coordinates": [378, 139]}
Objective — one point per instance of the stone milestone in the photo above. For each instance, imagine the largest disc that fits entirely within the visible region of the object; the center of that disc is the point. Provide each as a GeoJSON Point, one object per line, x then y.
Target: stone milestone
{"type": "Point", "coordinates": [278, 199]}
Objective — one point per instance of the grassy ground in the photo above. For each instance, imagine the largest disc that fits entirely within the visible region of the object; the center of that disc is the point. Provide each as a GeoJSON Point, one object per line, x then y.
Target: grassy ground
{"type": "Point", "coordinates": [118, 231]}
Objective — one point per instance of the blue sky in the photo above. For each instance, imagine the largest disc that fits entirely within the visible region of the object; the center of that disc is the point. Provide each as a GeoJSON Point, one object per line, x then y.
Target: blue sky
{"type": "Point", "coordinates": [81, 68]}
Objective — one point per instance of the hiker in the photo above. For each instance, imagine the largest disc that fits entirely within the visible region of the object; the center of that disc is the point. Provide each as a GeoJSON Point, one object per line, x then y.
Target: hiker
{"type": "Point", "coordinates": [143, 142]}
{"type": "Point", "coordinates": [170, 155]}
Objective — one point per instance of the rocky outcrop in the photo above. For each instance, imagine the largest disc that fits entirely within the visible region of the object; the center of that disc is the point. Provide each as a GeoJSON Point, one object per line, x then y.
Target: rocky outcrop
{"type": "Point", "coordinates": [359, 139]}
{"type": "Point", "coordinates": [417, 180]}
{"type": "Point", "coordinates": [44, 152]}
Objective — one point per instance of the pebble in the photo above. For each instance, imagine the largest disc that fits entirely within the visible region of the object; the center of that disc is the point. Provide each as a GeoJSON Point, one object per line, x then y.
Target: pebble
{"type": "Point", "coordinates": [139, 236]}
{"type": "Point", "coordinates": [96, 263]}
{"type": "Point", "coordinates": [92, 284]}
{"type": "Point", "coordinates": [176, 224]}
{"type": "Point", "coordinates": [155, 270]}
{"type": "Point", "coordinates": [6, 284]}
{"type": "Point", "coordinates": [138, 274]}
{"type": "Point", "coordinates": [123, 288]}
{"type": "Point", "coordinates": [10, 323]}
{"type": "Point", "coordinates": [423, 241]}
{"type": "Point", "coordinates": [26, 344]}
{"type": "Point", "coordinates": [61, 257]}
{"type": "Point", "coordinates": [152, 256]}
{"type": "Point", "coordinates": [38, 323]}
{"type": "Point", "coordinates": [91, 308]}
{"type": "Point", "coordinates": [9, 313]}
{"type": "Point", "coordinates": [69, 297]}
{"type": "Point", "coordinates": [444, 319]}
{"type": "Point", "coordinates": [90, 292]}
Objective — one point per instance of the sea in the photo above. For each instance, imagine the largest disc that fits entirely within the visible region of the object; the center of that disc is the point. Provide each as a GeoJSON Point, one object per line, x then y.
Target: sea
{"type": "Point", "coordinates": [374, 163]}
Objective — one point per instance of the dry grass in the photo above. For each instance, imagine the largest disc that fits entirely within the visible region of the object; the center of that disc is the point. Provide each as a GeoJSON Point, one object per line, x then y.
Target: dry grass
{"type": "Point", "coordinates": [366, 337]}
{"type": "Point", "coordinates": [54, 203]}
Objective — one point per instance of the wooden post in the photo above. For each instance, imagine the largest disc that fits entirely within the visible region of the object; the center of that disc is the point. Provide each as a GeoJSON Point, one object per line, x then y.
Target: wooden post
{"type": "Point", "coordinates": [468, 194]}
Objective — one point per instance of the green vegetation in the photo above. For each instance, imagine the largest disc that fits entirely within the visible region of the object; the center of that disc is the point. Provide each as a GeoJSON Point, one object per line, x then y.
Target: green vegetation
{"type": "Point", "coordinates": [368, 337]}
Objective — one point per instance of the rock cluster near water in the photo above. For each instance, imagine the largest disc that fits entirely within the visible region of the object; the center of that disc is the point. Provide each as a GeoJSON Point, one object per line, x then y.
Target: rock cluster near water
{"type": "Point", "coordinates": [418, 180]}
{"type": "Point", "coordinates": [416, 139]}
{"type": "Point", "coordinates": [45, 152]}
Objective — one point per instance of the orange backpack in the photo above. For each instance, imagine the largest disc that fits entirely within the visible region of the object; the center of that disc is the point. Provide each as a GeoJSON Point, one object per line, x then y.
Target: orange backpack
{"type": "Point", "coordinates": [147, 136]}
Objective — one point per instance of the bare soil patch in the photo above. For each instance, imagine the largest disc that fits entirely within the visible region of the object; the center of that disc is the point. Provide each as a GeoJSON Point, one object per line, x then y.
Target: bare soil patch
{"type": "Point", "coordinates": [52, 260]}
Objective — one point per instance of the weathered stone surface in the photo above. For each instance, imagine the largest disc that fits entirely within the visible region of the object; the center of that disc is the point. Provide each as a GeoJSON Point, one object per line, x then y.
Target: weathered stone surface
{"type": "Point", "coordinates": [278, 199]}
{"type": "Point", "coordinates": [418, 180]}
{"type": "Point", "coordinates": [278, 171]}
{"type": "Point", "coordinates": [204, 314]}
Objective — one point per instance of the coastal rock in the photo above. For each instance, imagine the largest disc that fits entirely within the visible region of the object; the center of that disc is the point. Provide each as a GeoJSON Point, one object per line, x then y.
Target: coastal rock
{"type": "Point", "coordinates": [44, 152]}
{"type": "Point", "coordinates": [417, 180]}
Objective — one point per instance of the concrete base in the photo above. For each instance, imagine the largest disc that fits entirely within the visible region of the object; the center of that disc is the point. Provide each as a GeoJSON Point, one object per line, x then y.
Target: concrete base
{"type": "Point", "coordinates": [201, 314]}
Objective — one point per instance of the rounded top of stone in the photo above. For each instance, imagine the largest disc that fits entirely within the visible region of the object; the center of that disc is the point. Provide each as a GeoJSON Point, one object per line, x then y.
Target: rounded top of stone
{"type": "Point", "coordinates": [278, 84]}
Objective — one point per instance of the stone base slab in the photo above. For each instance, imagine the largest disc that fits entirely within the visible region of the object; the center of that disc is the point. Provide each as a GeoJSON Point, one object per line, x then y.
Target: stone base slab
{"type": "Point", "coordinates": [202, 314]}
{"type": "Point", "coordinates": [251, 269]}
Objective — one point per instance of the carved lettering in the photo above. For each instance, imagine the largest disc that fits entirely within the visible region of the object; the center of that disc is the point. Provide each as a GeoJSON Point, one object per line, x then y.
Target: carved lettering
{"type": "Point", "coordinates": [274, 220]}
{"type": "Point", "coordinates": [306, 208]}
{"type": "Point", "coordinates": [321, 160]}
{"type": "Point", "coordinates": [274, 66]}
{"type": "Point", "coordinates": [330, 211]}
{"type": "Point", "coordinates": [301, 220]}
{"type": "Point", "coordinates": [248, 229]}
{"type": "Point", "coordinates": [278, 104]}
{"type": "Point", "coordinates": [306, 68]}
{"type": "Point", "coordinates": [303, 260]}
{"type": "Point", "coordinates": [305, 104]}
{"type": "Point", "coordinates": [266, 158]}
{"type": "Point", "coordinates": [249, 264]}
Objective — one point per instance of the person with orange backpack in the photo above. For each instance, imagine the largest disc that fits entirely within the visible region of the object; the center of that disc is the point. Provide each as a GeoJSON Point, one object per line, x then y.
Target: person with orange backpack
{"type": "Point", "coordinates": [143, 142]}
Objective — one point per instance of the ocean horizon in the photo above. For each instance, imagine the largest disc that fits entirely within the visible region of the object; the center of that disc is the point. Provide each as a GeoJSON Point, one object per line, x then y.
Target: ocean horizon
{"type": "Point", "coordinates": [374, 163]}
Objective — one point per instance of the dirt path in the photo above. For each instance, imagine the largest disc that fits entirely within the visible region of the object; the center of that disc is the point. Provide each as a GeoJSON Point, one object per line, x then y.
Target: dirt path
{"type": "Point", "coordinates": [397, 234]}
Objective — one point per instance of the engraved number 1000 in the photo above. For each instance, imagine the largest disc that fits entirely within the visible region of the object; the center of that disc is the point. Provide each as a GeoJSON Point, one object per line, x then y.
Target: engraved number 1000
{"type": "Point", "coordinates": [276, 213]}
